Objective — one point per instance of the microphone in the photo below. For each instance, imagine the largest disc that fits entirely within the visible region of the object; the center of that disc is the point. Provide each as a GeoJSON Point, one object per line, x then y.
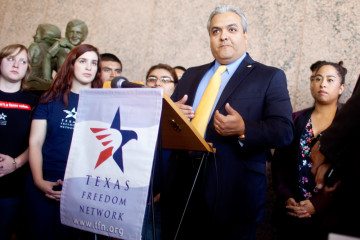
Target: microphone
{"type": "Point", "coordinates": [122, 82]}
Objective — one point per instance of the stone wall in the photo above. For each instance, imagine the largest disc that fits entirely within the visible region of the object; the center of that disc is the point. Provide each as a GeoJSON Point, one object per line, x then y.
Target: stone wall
{"type": "Point", "coordinates": [289, 34]}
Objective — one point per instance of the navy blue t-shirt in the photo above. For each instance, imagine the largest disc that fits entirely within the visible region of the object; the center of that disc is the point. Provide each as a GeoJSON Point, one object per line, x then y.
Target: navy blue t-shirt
{"type": "Point", "coordinates": [15, 118]}
{"type": "Point", "coordinates": [60, 127]}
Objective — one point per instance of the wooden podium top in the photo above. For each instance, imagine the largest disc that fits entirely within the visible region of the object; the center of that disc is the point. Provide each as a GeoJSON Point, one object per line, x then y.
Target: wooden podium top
{"type": "Point", "coordinates": [177, 131]}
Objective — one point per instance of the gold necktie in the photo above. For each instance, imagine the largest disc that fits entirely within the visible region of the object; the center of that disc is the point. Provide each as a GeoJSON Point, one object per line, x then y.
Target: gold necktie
{"type": "Point", "coordinates": [202, 114]}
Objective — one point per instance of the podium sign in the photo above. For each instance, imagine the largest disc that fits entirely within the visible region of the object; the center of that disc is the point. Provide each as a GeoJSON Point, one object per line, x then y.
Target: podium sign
{"type": "Point", "coordinates": [110, 160]}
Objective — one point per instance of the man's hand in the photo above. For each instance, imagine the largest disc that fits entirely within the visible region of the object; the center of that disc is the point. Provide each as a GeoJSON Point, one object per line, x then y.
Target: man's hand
{"type": "Point", "coordinates": [186, 109]}
{"type": "Point", "coordinates": [320, 175]}
{"type": "Point", "coordinates": [317, 158]}
{"type": "Point", "coordinates": [229, 125]}
{"type": "Point", "coordinates": [320, 168]}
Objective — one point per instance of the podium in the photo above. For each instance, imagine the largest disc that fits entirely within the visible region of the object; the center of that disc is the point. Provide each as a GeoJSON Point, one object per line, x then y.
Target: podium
{"type": "Point", "coordinates": [177, 132]}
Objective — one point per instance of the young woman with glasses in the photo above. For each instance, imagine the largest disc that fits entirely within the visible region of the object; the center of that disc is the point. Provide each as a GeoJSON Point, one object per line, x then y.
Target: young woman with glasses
{"type": "Point", "coordinates": [162, 76]}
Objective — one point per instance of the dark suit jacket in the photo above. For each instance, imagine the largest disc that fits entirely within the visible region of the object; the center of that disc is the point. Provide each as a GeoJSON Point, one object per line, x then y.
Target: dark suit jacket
{"type": "Point", "coordinates": [337, 140]}
{"type": "Point", "coordinates": [340, 146]}
{"type": "Point", "coordinates": [235, 182]}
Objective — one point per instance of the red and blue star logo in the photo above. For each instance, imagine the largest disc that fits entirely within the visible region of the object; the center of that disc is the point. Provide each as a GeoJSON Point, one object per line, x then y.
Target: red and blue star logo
{"type": "Point", "coordinates": [107, 136]}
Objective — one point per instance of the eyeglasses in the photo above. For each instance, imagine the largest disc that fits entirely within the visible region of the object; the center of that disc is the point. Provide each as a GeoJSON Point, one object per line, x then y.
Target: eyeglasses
{"type": "Point", "coordinates": [163, 79]}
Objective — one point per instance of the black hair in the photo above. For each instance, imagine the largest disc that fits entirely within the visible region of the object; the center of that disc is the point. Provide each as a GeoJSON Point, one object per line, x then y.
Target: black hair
{"type": "Point", "coordinates": [316, 65]}
{"type": "Point", "coordinates": [180, 67]}
{"type": "Point", "coordinates": [342, 71]}
{"type": "Point", "coordinates": [110, 57]}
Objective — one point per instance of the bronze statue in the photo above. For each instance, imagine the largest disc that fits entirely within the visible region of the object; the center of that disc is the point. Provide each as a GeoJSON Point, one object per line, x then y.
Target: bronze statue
{"type": "Point", "coordinates": [45, 37]}
{"type": "Point", "coordinates": [76, 33]}
{"type": "Point", "coordinates": [49, 50]}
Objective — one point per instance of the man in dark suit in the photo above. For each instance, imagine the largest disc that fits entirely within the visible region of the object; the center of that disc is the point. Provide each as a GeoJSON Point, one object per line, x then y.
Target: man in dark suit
{"type": "Point", "coordinates": [251, 115]}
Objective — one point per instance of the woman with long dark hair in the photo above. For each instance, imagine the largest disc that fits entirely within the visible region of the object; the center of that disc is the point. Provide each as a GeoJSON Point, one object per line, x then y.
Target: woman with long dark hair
{"type": "Point", "coordinates": [50, 138]}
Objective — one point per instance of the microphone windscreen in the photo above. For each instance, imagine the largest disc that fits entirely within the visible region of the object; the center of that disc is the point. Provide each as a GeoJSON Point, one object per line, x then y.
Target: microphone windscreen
{"type": "Point", "coordinates": [122, 82]}
{"type": "Point", "coordinates": [117, 82]}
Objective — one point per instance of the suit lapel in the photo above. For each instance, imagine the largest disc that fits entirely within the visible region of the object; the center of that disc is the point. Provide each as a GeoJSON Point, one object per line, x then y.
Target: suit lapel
{"type": "Point", "coordinates": [196, 81]}
{"type": "Point", "coordinates": [239, 75]}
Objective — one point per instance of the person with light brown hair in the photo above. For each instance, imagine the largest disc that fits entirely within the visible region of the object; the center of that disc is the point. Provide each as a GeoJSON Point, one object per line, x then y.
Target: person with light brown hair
{"type": "Point", "coordinates": [16, 106]}
{"type": "Point", "coordinates": [158, 76]}
{"type": "Point", "coordinates": [162, 76]}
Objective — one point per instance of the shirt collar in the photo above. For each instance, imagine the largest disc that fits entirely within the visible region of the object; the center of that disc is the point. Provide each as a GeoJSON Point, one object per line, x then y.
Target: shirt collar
{"type": "Point", "coordinates": [231, 68]}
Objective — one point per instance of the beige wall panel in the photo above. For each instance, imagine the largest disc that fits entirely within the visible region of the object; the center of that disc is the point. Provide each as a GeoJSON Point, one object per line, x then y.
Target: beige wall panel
{"type": "Point", "coordinates": [289, 34]}
{"type": "Point", "coordinates": [331, 32]}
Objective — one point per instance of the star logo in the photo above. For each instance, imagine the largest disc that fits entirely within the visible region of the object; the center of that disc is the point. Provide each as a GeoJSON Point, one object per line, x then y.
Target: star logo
{"type": "Point", "coordinates": [107, 136]}
{"type": "Point", "coordinates": [2, 116]}
{"type": "Point", "coordinates": [71, 113]}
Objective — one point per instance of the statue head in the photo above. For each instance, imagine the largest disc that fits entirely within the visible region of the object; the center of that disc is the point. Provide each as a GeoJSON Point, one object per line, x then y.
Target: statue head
{"type": "Point", "coordinates": [49, 33]}
{"type": "Point", "coordinates": [37, 37]}
{"type": "Point", "coordinates": [76, 31]}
